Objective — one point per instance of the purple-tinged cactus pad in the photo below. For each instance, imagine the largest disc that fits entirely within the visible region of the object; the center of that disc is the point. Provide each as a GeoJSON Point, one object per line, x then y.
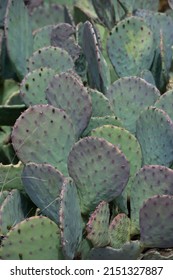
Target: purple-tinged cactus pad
{"type": "Point", "coordinates": [149, 181]}
{"type": "Point", "coordinates": [33, 86]}
{"type": "Point", "coordinates": [154, 131]}
{"type": "Point", "coordinates": [18, 35]}
{"type": "Point", "coordinates": [119, 231]}
{"type": "Point", "coordinates": [15, 208]}
{"type": "Point", "coordinates": [128, 96]}
{"type": "Point", "coordinates": [43, 184]}
{"type": "Point", "coordinates": [36, 238]}
{"type": "Point", "coordinates": [99, 169]}
{"type": "Point", "coordinates": [129, 251]}
{"type": "Point", "coordinates": [44, 134]}
{"type": "Point", "coordinates": [70, 219]}
{"type": "Point", "coordinates": [98, 224]}
{"type": "Point", "coordinates": [50, 57]}
{"type": "Point", "coordinates": [65, 91]}
{"type": "Point", "coordinates": [156, 222]}
{"type": "Point", "coordinates": [129, 52]}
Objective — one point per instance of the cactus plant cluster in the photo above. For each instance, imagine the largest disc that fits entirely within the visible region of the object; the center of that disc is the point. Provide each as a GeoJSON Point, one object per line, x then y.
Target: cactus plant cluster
{"type": "Point", "coordinates": [86, 130]}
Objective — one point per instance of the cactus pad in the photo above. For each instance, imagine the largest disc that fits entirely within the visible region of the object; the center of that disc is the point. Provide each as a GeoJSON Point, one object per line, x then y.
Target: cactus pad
{"type": "Point", "coordinates": [70, 219]}
{"type": "Point", "coordinates": [128, 97]}
{"type": "Point", "coordinates": [127, 49]}
{"type": "Point", "coordinates": [149, 181]}
{"type": "Point", "coordinates": [98, 224]}
{"type": "Point", "coordinates": [50, 57]}
{"type": "Point", "coordinates": [10, 176]}
{"type": "Point", "coordinates": [100, 104]}
{"type": "Point", "coordinates": [44, 134]}
{"type": "Point", "coordinates": [18, 35]}
{"type": "Point", "coordinates": [33, 86]}
{"type": "Point", "coordinates": [99, 170]}
{"type": "Point", "coordinates": [66, 92]}
{"type": "Point", "coordinates": [119, 231]}
{"type": "Point", "coordinates": [156, 229]}
{"type": "Point", "coordinates": [36, 238]}
{"type": "Point", "coordinates": [43, 184]}
{"type": "Point", "coordinates": [155, 126]}
{"type": "Point", "coordinates": [165, 103]}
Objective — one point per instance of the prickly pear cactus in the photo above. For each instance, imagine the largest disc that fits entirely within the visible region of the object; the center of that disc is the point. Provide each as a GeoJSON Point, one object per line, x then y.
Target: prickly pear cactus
{"type": "Point", "coordinates": [148, 181]}
{"type": "Point", "coordinates": [43, 184]}
{"type": "Point", "coordinates": [65, 91]}
{"type": "Point", "coordinates": [128, 97]}
{"type": "Point", "coordinates": [15, 208]}
{"type": "Point", "coordinates": [18, 33]}
{"type": "Point", "coordinates": [119, 231]}
{"type": "Point", "coordinates": [70, 219]}
{"type": "Point", "coordinates": [10, 176]}
{"type": "Point", "coordinates": [165, 103]}
{"type": "Point", "coordinates": [33, 86]}
{"type": "Point", "coordinates": [106, 167]}
{"type": "Point", "coordinates": [100, 104]}
{"type": "Point", "coordinates": [127, 49]}
{"type": "Point", "coordinates": [152, 126]}
{"type": "Point", "coordinates": [50, 57]}
{"type": "Point", "coordinates": [36, 238]}
{"type": "Point", "coordinates": [44, 134]}
{"type": "Point", "coordinates": [156, 229]}
{"type": "Point", "coordinates": [98, 224]}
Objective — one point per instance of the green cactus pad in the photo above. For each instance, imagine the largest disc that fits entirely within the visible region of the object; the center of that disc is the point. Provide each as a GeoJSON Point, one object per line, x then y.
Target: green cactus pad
{"type": "Point", "coordinates": [47, 15]}
{"type": "Point", "coordinates": [99, 170]}
{"type": "Point", "coordinates": [149, 181]}
{"type": "Point", "coordinates": [99, 121]}
{"type": "Point", "coordinates": [155, 126]}
{"type": "Point", "coordinates": [10, 176]}
{"type": "Point", "coordinates": [66, 92]}
{"type": "Point", "coordinates": [33, 86]}
{"type": "Point", "coordinates": [147, 5]}
{"type": "Point", "coordinates": [125, 141]}
{"type": "Point", "coordinates": [44, 134]}
{"type": "Point", "coordinates": [100, 104]}
{"type": "Point", "coordinates": [36, 238]}
{"type": "Point", "coordinates": [128, 97]}
{"type": "Point", "coordinates": [70, 220]}
{"type": "Point", "coordinates": [119, 231]}
{"type": "Point", "coordinates": [42, 37]}
{"type": "Point", "coordinates": [98, 224]}
{"type": "Point", "coordinates": [127, 49]}
{"type": "Point", "coordinates": [156, 229]}
{"type": "Point", "coordinates": [50, 57]}
{"type": "Point", "coordinates": [98, 71]}
{"type": "Point", "coordinates": [129, 251]}
{"type": "Point", "coordinates": [43, 183]}
{"type": "Point", "coordinates": [18, 35]}
{"type": "Point", "coordinates": [148, 76]}
{"type": "Point", "coordinates": [165, 102]}
{"type": "Point", "coordinates": [15, 208]}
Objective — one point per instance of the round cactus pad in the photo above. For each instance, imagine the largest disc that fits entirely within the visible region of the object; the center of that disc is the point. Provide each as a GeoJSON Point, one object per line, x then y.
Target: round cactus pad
{"type": "Point", "coordinates": [36, 238]}
{"type": "Point", "coordinates": [43, 183]}
{"type": "Point", "coordinates": [99, 170]}
{"type": "Point", "coordinates": [130, 47]}
{"type": "Point", "coordinates": [155, 126]}
{"type": "Point", "coordinates": [128, 97]}
{"type": "Point", "coordinates": [100, 104]}
{"type": "Point", "coordinates": [50, 57]}
{"type": "Point", "coordinates": [149, 181]}
{"type": "Point", "coordinates": [156, 229]}
{"type": "Point", "coordinates": [44, 134]}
